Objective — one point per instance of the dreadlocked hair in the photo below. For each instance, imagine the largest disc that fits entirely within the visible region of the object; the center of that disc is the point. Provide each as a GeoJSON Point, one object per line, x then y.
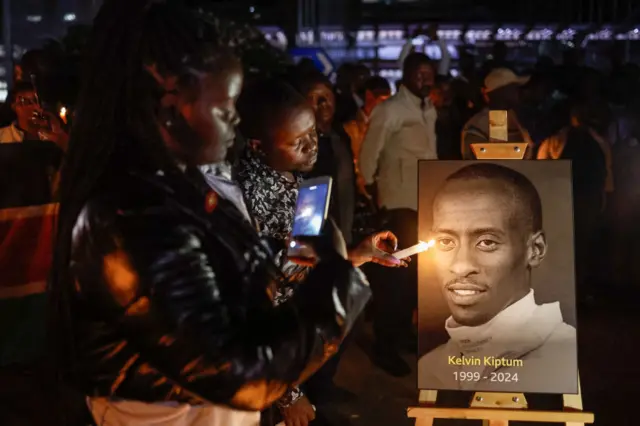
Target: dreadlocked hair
{"type": "Point", "coordinates": [115, 128]}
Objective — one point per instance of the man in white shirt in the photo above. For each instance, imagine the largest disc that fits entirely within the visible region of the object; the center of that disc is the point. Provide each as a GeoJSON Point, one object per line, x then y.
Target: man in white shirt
{"type": "Point", "coordinates": [401, 132]}
{"type": "Point", "coordinates": [487, 227]}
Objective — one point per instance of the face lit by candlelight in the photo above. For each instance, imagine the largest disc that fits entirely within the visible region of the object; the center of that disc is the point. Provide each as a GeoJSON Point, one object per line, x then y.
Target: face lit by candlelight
{"type": "Point", "coordinates": [484, 248]}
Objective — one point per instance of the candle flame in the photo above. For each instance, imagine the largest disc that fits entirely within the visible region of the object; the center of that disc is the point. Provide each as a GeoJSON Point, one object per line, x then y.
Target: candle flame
{"type": "Point", "coordinates": [63, 114]}
{"type": "Point", "coordinates": [427, 245]}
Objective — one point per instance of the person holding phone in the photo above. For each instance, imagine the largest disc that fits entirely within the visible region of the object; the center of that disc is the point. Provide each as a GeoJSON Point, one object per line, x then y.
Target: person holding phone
{"type": "Point", "coordinates": [161, 291]}
{"type": "Point", "coordinates": [32, 122]}
{"type": "Point", "coordinates": [282, 146]}
{"type": "Point", "coordinates": [311, 210]}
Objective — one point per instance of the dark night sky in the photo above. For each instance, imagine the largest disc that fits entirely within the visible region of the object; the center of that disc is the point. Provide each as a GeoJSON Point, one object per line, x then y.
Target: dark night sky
{"type": "Point", "coordinates": [498, 11]}
{"type": "Point", "coordinates": [551, 10]}
{"type": "Point", "coordinates": [570, 11]}
{"type": "Point", "coordinates": [566, 11]}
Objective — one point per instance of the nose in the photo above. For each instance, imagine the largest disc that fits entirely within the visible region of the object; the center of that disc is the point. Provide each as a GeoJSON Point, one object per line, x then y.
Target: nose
{"type": "Point", "coordinates": [235, 119]}
{"type": "Point", "coordinates": [463, 262]}
{"type": "Point", "coordinates": [311, 144]}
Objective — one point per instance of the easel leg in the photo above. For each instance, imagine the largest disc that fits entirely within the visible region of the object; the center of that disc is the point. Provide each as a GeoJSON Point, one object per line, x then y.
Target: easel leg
{"type": "Point", "coordinates": [428, 398]}
{"type": "Point", "coordinates": [573, 402]}
{"type": "Point", "coordinates": [424, 421]}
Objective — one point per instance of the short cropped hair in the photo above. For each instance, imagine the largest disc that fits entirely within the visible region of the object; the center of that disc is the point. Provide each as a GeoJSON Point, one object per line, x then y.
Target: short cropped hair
{"type": "Point", "coordinates": [415, 60]}
{"type": "Point", "coordinates": [525, 193]}
{"type": "Point", "coordinates": [263, 103]}
{"type": "Point", "coordinates": [20, 87]}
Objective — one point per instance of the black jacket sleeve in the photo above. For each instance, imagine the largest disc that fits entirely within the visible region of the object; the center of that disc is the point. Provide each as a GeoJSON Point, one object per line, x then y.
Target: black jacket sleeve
{"type": "Point", "coordinates": [161, 291]}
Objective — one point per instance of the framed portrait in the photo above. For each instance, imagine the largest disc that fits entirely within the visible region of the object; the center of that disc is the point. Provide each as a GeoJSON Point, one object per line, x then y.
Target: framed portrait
{"type": "Point", "coordinates": [496, 292]}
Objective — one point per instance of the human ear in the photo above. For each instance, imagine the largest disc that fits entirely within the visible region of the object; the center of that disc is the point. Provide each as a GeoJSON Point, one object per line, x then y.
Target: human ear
{"type": "Point", "coordinates": [537, 249]}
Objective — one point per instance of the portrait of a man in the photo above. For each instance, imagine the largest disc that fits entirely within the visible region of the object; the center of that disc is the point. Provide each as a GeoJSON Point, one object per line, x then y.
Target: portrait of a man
{"type": "Point", "coordinates": [486, 220]}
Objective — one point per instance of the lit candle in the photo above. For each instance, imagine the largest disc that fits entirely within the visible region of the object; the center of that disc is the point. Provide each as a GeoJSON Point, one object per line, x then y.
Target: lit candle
{"type": "Point", "coordinates": [63, 114]}
{"type": "Point", "coordinates": [418, 248]}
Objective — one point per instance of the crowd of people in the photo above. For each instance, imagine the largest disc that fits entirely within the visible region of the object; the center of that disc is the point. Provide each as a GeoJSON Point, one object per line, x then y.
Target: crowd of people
{"type": "Point", "coordinates": [172, 298]}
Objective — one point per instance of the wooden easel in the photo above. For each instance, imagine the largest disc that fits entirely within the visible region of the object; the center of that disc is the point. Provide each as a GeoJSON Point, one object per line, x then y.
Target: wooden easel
{"type": "Point", "coordinates": [497, 409]}
{"type": "Point", "coordinates": [499, 150]}
{"type": "Point", "coordinates": [494, 408]}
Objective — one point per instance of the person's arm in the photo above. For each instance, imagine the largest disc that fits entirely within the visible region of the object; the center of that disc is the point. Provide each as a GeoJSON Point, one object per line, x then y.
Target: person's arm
{"type": "Point", "coordinates": [445, 60]}
{"type": "Point", "coordinates": [552, 147]}
{"type": "Point", "coordinates": [471, 135]}
{"type": "Point", "coordinates": [380, 129]}
{"type": "Point", "coordinates": [56, 133]}
{"type": "Point", "coordinates": [543, 151]}
{"type": "Point", "coordinates": [407, 49]}
{"type": "Point", "coordinates": [608, 156]}
{"type": "Point", "coordinates": [290, 397]}
{"type": "Point", "coordinates": [296, 408]}
{"type": "Point", "coordinates": [149, 276]}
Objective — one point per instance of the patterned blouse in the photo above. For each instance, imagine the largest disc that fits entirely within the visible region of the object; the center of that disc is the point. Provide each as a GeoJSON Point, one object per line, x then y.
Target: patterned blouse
{"type": "Point", "coordinates": [271, 200]}
{"type": "Point", "coordinates": [270, 196]}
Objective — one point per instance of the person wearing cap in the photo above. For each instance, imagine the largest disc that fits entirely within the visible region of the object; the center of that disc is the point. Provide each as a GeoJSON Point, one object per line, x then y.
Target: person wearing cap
{"type": "Point", "coordinates": [502, 92]}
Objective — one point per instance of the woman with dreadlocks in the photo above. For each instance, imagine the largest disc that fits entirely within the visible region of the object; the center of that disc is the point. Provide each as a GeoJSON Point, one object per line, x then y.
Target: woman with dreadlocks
{"type": "Point", "coordinates": [161, 289]}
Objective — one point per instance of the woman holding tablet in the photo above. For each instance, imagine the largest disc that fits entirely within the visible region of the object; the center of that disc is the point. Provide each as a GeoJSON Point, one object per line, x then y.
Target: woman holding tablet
{"type": "Point", "coordinates": [282, 146]}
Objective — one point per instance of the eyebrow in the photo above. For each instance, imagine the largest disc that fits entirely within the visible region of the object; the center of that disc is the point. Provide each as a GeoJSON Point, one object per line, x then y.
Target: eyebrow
{"type": "Point", "coordinates": [475, 232]}
{"type": "Point", "coordinates": [295, 140]}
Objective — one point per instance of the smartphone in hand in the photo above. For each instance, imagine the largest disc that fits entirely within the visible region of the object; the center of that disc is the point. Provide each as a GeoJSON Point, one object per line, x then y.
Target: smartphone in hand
{"type": "Point", "coordinates": [312, 210]}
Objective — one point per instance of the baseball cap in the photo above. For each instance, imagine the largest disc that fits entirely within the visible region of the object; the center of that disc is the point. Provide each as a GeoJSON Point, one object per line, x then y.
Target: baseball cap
{"type": "Point", "coordinates": [501, 77]}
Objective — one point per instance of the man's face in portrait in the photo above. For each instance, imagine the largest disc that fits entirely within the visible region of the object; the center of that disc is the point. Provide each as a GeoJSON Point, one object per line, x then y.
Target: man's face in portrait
{"type": "Point", "coordinates": [485, 247]}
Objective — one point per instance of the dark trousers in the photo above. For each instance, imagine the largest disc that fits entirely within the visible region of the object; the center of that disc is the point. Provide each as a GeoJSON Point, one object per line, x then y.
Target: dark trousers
{"type": "Point", "coordinates": [395, 289]}
{"type": "Point", "coordinates": [30, 396]}
{"type": "Point", "coordinates": [587, 219]}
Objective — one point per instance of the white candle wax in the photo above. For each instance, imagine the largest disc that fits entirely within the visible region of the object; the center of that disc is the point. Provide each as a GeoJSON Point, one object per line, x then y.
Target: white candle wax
{"type": "Point", "coordinates": [418, 248]}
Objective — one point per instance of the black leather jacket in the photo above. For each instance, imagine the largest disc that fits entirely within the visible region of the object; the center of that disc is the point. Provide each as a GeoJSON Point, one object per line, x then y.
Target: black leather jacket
{"type": "Point", "coordinates": [173, 302]}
